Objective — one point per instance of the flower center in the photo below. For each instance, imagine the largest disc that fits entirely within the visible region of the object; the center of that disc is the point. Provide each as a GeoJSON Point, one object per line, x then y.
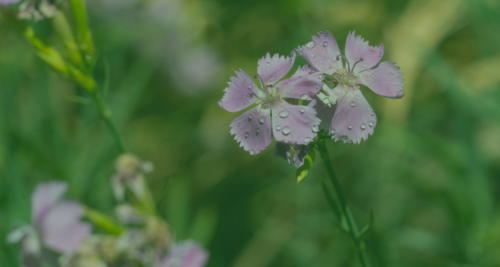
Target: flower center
{"type": "Point", "coordinates": [347, 77]}
{"type": "Point", "coordinates": [271, 95]}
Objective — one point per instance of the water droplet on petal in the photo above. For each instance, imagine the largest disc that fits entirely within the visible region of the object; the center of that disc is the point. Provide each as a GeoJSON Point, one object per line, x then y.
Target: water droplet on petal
{"type": "Point", "coordinates": [239, 124]}
{"type": "Point", "coordinates": [352, 104]}
{"type": "Point", "coordinates": [315, 128]}
{"type": "Point", "coordinates": [282, 58]}
{"type": "Point", "coordinates": [303, 97]}
{"type": "Point", "coordinates": [325, 44]}
{"type": "Point", "coordinates": [392, 72]}
{"type": "Point", "coordinates": [332, 132]}
{"type": "Point", "coordinates": [246, 135]}
{"type": "Point", "coordinates": [262, 120]}
{"type": "Point", "coordinates": [349, 126]}
{"type": "Point", "coordinates": [283, 114]}
{"type": "Point", "coordinates": [373, 113]}
{"type": "Point", "coordinates": [250, 117]}
{"type": "Point", "coordinates": [302, 110]}
{"type": "Point", "coordinates": [371, 75]}
{"type": "Point", "coordinates": [252, 152]}
{"type": "Point", "coordinates": [286, 130]}
{"type": "Point", "coordinates": [229, 83]}
{"type": "Point", "coordinates": [401, 94]}
{"type": "Point", "coordinates": [310, 44]}
{"type": "Point", "coordinates": [278, 128]}
{"type": "Point", "coordinates": [320, 76]}
{"type": "Point", "coordinates": [363, 126]}
{"type": "Point", "coordinates": [313, 55]}
{"type": "Point", "coordinates": [326, 100]}
{"type": "Point", "coordinates": [307, 140]}
{"type": "Point", "coordinates": [257, 131]}
{"type": "Point", "coordinates": [370, 123]}
{"type": "Point", "coordinates": [267, 63]}
{"type": "Point", "coordinates": [250, 86]}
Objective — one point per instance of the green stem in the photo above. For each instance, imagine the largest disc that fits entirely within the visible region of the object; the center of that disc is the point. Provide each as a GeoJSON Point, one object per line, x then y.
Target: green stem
{"type": "Point", "coordinates": [106, 116]}
{"type": "Point", "coordinates": [353, 228]}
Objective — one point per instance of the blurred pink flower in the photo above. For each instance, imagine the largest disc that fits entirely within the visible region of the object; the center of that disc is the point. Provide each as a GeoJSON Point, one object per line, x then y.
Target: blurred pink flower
{"type": "Point", "coordinates": [352, 118]}
{"type": "Point", "coordinates": [56, 223]}
{"type": "Point", "coordinates": [185, 254]}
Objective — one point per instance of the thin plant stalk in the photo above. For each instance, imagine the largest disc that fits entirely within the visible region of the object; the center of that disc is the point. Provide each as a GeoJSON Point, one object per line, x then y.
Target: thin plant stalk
{"type": "Point", "coordinates": [351, 223]}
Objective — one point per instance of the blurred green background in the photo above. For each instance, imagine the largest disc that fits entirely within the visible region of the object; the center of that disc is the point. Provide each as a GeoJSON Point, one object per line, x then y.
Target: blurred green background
{"type": "Point", "coordinates": [430, 172]}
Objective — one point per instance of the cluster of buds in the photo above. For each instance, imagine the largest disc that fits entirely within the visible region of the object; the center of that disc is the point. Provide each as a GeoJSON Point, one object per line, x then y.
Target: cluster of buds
{"type": "Point", "coordinates": [137, 237]}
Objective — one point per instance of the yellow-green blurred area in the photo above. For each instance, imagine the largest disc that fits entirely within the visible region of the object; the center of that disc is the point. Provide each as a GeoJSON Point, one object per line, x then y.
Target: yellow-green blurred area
{"type": "Point", "coordinates": [430, 172]}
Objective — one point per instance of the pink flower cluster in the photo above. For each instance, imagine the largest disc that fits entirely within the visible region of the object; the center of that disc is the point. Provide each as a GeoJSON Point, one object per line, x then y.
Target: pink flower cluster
{"type": "Point", "coordinates": [342, 111]}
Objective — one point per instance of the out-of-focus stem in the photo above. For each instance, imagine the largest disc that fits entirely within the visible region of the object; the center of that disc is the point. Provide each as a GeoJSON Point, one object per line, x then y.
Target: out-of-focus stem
{"type": "Point", "coordinates": [83, 35]}
{"type": "Point", "coordinates": [107, 117]}
{"type": "Point", "coordinates": [353, 228]}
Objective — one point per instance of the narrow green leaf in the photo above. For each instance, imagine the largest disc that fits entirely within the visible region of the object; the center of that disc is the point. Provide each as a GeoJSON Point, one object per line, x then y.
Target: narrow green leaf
{"type": "Point", "coordinates": [334, 207]}
{"type": "Point", "coordinates": [303, 170]}
{"type": "Point", "coordinates": [367, 227]}
{"type": "Point", "coordinates": [102, 221]}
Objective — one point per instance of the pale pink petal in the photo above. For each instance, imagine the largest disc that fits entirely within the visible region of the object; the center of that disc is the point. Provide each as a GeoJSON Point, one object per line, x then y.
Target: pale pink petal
{"type": "Point", "coordinates": [294, 124]}
{"type": "Point", "coordinates": [356, 48]}
{"type": "Point", "coordinates": [240, 94]}
{"type": "Point", "coordinates": [294, 154]}
{"type": "Point", "coordinates": [304, 84]}
{"type": "Point", "coordinates": [61, 228]}
{"type": "Point", "coordinates": [186, 254]}
{"type": "Point", "coordinates": [253, 129]}
{"type": "Point", "coordinates": [354, 119]}
{"type": "Point", "coordinates": [385, 80]}
{"type": "Point", "coordinates": [322, 53]}
{"type": "Point", "coordinates": [45, 196]}
{"type": "Point", "coordinates": [272, 69]}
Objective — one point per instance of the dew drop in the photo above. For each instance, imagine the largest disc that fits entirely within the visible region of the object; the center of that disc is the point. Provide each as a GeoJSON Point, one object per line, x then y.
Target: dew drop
{"type": "Point", "coordinates": [286, 130]}
{"type": "Point", "coordinates": [373, 113]}
{"type": "Point", "coordinates": [313, 55]}
{"type": "Point", "coordinates": [349, 126]}
{"type": "Point", "coordinates": [320, 76]}
{"type": "Point", "coordinates": [250, 117]}
{"type": "Point", "coordinates": [257, 131]}
{"type": "Point", "coordinates": [262, 120]}
{"type": "Point", "coordinates": [352, 104]}
{"type": "Point", "coordinates": [325, 44]}
{"type": "Point", "coordinates": [252, 152]}
{"type": "Point", "coordinates": [283, 114]}
{"type": "Point", "coordinates": [239, 124]}
{"type": "Point", "coordinates": [363, 126]}
{"type": "Point", "coordinates": [267, 63]}
{"type": "Point", "coordinates": [370, 123]}
{"type": "Point", "coordinates": [250, 86]}
{"type": "Point", "coordinates": [315, 128]}
{"type": "Point", "coordinates": [278, 128]}
{"type": "Point", "coordinates": [310, 44]}
{"type": "Point", "coordinates": [229, 83]}
{"type": "Point", "coordinates": [302, 110]}
{"type": "Point", "coordinates": [246, 135]}
{"type": "Point", "coordinates": [401, 94]}
{"type": "Point", "coordinates": [307, 140]}
{"type": "Point", "coordinates": [303, 97]}
{"type": "Point", "coordinates": [371, 75]}
{"type": "Point", "coordinates": [392, 72]}
{"type": "Point", "coordinates": [282, 58]}
{"type": "Point", "coordinates": [332, 132]}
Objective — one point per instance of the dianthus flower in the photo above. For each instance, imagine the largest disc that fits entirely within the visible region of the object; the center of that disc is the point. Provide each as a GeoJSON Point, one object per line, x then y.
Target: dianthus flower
{"type": "Point", "coordinates": [56, 224]}
{"type": "Point", "coordinates": [292, 124]}
{"type": "Point", "coordinates": [344, 111]}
